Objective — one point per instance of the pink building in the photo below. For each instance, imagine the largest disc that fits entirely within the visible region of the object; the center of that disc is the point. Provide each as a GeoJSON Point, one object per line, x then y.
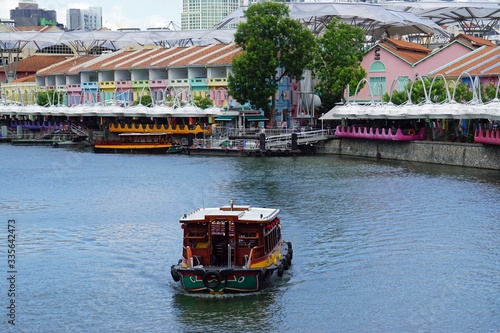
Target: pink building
{"type": "Point", "coordinates": [391, 63]}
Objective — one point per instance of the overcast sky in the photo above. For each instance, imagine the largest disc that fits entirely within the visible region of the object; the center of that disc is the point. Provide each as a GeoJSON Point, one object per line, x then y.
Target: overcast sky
{"type": "Point", "coordinates": [115, 14]}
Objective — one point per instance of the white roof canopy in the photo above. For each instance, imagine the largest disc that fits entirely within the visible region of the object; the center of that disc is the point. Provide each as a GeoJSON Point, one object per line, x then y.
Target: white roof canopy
{"type": "Point", "coordinates": [375, 20]}
{"type": "Point", "coordinates": [453, 110]}
{"type": "Point", "coordinates": [115, 39]}
{"type": "Point", "coordinates": [479, 13]}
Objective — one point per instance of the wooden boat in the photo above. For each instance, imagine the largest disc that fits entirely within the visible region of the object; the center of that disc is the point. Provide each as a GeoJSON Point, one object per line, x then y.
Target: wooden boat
{"type": "Point", "coordinates": [146, 143]}
{"type": "Point", "coordinates": [231, 249]}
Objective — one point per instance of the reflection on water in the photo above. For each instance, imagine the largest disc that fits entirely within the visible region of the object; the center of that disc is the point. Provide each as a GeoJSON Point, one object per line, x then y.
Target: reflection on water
{"type": "Point", "coordinates": [378, 245]}
{"type": "Point", "coordinates": [228, 313]}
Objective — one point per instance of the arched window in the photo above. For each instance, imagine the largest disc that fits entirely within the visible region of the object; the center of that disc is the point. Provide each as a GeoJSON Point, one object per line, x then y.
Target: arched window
{"type": "Point", "coordinates": [377, 66]}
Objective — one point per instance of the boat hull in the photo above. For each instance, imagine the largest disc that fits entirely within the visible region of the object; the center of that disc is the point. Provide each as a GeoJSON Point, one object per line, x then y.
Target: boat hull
{"type": "Point", "coordinates": [136, 150]}
{"type": "Point", "coordinates": [236, 279]}
{"type": "Point", "coordinates": [225, 280]}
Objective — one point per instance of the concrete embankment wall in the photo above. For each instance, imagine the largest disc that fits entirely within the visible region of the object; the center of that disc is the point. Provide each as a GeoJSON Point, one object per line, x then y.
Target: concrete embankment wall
{"type": "Point", "coordinates": [448, 153]}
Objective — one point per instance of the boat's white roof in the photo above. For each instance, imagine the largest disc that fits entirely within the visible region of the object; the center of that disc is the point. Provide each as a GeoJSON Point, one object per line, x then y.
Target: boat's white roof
{"type": "Point", "coordinates": [243, 213]}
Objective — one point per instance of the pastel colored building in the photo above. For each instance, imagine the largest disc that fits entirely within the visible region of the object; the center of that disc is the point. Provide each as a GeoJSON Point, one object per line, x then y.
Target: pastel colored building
{"type": "Point", "coordinates": [480, 66]}
{"type": "Point", "coordinates": [391, 63]}
{"type": "Point", "coordinates": [175, 74]}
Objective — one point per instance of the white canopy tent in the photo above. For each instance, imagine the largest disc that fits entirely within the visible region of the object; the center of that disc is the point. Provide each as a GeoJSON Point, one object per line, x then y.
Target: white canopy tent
{"type": "Point", "coordinates": [451, 110]}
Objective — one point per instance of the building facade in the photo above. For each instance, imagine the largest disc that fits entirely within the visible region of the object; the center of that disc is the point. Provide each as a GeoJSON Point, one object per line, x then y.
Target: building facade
{"type": "Point", "coordinates": [84, 19]}
{"type": "Point", "coordinates": [204, 14]}
{"type": "Point", "coordinates": [28, 14]}
{"type": "Point", "coordinates": [390, 64]}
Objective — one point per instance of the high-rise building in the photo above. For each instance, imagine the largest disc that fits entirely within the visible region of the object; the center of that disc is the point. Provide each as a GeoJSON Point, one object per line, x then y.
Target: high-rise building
{"type": "Point", "coordinates": [204, 14]}
{"type": "Point", "coordinates": [28, 14]}
{"type": "Point", "coordinates": [249, 2]}
{"type": "Point", "coordinates": [84, 19]}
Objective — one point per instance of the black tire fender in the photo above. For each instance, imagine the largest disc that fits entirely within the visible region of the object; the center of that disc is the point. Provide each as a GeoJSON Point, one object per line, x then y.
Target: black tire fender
{"type": "Point", "coordinates": [175, 274]}
{"type": "Point", "coordinates": [212, 279]}
{"type": "Point", "coordinates": [280, 270]}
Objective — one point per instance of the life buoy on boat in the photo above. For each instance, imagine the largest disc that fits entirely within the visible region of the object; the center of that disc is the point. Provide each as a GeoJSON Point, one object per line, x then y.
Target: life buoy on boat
{"type": "Point", "coordinates": [211, 280]}
{"type": "Point", "coordinates": [189, 255]}
{"type": "Point", "coordinates": [411, 132]}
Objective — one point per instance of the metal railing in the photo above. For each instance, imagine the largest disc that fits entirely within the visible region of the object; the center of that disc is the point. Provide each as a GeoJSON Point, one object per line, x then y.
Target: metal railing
{"type": "Point", "coordinates": [281, 140]}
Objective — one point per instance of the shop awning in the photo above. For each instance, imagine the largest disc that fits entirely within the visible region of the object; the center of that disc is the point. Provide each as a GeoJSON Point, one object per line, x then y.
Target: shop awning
{"type": "Point", "coordinates": [256, 118]}
{"type": "Point", "coordinates": [225, 118]}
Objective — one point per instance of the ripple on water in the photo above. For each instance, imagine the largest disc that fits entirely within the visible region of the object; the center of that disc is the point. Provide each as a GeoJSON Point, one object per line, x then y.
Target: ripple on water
{"type": "Point", "coordinates": [378, 246]}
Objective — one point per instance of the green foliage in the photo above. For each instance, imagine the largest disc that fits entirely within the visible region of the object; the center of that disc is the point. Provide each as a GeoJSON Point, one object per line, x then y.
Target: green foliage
{"type": "Point", "coordinates": [49, 97]}
{"type": "Point", "coordinates": [202, 102]}
{"type": "Point", "coordinates": [397, 97]}
{"type": "Point", "coordinates": [145, 100]}
{"type": "Point", "coordinates": [462, 93]}
{"type": "Point", "coordinates": [270, 40]}
{"type": "Point", "coordinates": [438, 94]}
{"type": "Point", "coordinates": [418, 91]}
{"type": "Point", "coordinates": [489, 92]}
{"type": "Point", "coordinates": [338, 58]}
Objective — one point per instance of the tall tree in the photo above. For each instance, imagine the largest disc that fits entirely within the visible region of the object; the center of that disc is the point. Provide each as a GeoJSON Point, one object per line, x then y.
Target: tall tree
{"type": "Point", "coordinates": [274, 45]}
{"type": "Point", "coordinates": [338, 60]}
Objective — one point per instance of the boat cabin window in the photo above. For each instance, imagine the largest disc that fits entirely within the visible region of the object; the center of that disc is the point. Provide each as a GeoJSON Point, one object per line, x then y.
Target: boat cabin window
{"type": "Point", "coordinates": [248, 239]}
{"type": "Point", "coordinates": [196, 233]}
{"type": "Point", "coordinates": [272, 235]}
{"type": "Point", "coordinates": [222, 234]}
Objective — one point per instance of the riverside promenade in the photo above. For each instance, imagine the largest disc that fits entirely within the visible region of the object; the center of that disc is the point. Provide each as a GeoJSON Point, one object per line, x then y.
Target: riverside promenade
{"type": "Point", "coordinates": [472, 155]}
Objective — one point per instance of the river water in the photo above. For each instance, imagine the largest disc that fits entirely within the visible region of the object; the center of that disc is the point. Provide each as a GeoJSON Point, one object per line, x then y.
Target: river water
{"type": "Point", "coordinates": [379, 246]}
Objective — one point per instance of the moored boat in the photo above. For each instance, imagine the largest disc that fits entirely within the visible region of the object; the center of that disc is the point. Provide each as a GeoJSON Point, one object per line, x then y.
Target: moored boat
{"type": "Point", "coordinates": [231, 249]}
{"type": "Point", "coordinates": [145, 143]}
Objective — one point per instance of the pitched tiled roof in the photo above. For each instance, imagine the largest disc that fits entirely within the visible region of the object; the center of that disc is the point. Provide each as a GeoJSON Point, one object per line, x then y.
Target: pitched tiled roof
{"type": "Point", "coordinates": [105, 61]}
{"type": "Point", "coordinates": [217, 54]}
{"type": "Point", "coordinates": [201, 56]}
{"type": "Point", "coordinates": [473, 41]}
{"type": "Point", "coordinates": [484, 61]}
{"type": "Point", "coordinates": [181, 53]}
{"type": "Point", "coordinates": [38, 61]}
{"type": "Point", "coordinates": [220, 56]}
{"type": "Point", "coordinates": [408, 51]}
{"type": "Point", "coordinates": [31, 78]}
{"type": "Point", "coordinates": [69, 66]}
{"type": "Point", "coordinates": [404, 45]}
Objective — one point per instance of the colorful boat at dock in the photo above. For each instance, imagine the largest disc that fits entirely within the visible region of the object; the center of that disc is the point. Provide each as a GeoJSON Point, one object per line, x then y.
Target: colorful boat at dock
{"type": "Point", "coordinates": [231, 249]}
{"type": "Point", "coordinates": [487, 136]}
{"type": "Point", "coordinates": [369, 133]}
{"type": "Point", "coordinates": [139, 143]}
